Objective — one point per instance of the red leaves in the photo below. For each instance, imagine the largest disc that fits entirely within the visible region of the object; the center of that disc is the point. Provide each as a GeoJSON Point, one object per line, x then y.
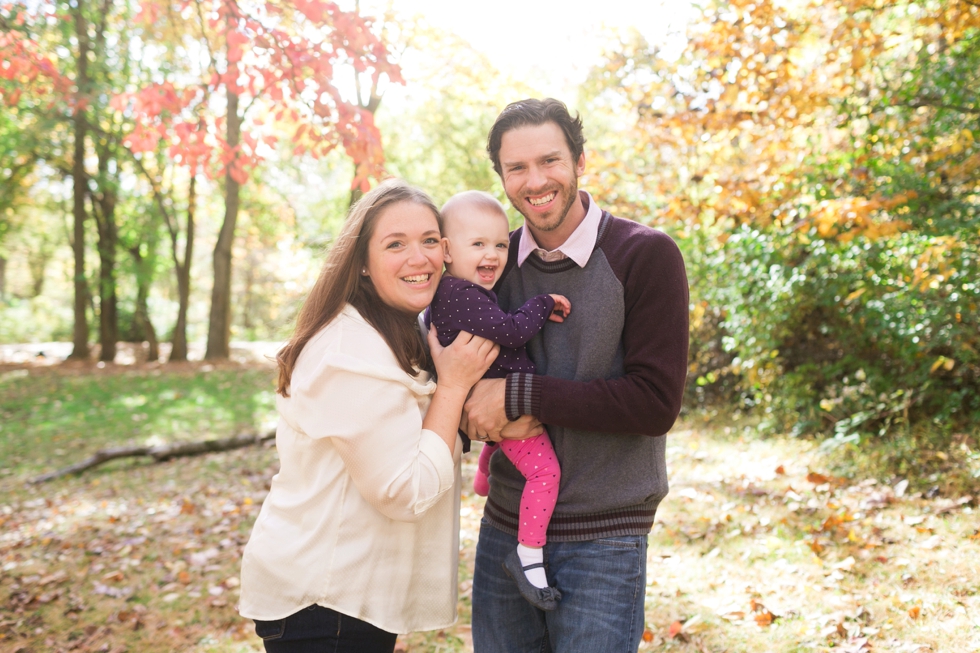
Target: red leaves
{"type": "Point", "coordinates": [315, 10]}
{"type": "Point", "coordinates": [237, 172]}
{"type": "Point", "coordinates": [149, 12]}
{"type": "Point", "coordinates": [235, 41]}
{"type": "Point", "coordinates": [23, 63]}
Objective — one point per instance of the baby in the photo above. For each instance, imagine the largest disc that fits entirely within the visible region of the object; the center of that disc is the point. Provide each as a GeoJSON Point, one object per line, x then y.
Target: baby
{"type": "Point", "coordinates": [475, 242]}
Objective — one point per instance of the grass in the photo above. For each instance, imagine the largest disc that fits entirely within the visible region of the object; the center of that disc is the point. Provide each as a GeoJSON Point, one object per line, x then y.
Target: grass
{"type": "Point", "coordinates": [49, 415]}
{"type": "Point", "coordinates": [758, 547]}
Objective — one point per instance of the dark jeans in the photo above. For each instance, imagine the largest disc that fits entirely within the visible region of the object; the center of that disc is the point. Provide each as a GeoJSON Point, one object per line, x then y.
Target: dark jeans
{"type": "Point", "coordinates": [321, 630]}
{"type": "Point", "coordinates": [602, 584]}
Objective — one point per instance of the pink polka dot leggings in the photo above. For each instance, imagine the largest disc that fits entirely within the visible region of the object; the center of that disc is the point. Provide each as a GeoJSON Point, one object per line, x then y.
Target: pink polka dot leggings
{"type": "Point", "coordinates": [535, 459]}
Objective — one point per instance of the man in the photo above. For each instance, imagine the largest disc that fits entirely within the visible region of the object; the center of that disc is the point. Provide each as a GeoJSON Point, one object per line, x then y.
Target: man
{"type": "Point", "coordinates": [609, 386]}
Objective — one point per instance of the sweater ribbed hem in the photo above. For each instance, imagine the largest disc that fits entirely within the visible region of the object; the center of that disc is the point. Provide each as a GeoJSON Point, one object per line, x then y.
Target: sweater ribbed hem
{"type": "Point", "coordinates": [523, 395]}
{"type": "Point", "coordinates": [637, 520]}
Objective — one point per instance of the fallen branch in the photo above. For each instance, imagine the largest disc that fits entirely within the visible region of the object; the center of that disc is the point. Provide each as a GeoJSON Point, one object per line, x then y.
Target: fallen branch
{"type": "Point", "coordinates": [159, 453]}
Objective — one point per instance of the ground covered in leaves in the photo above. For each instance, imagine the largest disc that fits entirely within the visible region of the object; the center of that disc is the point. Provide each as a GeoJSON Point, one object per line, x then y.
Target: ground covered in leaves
{"type": "Point", "coordinates": [758, 547]}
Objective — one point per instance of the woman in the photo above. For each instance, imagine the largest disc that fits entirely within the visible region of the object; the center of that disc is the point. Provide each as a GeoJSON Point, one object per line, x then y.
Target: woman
{"type": "Point", "coordinates": [359, 536]}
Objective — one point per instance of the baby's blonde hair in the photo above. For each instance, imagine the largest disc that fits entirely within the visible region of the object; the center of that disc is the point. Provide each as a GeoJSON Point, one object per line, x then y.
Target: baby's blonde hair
{"type": "Point", "coordinates": [470, 199]}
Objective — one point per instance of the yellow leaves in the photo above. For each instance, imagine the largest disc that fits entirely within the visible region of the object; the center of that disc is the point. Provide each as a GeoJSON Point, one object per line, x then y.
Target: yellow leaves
{"type": "Point", "coordinates": [942, 362]}
{"type": "Point", "coordinates": [858, 59]}
{"type": "Point", "coordinates": [848, 217]}
{"type": "Point", "coordinates": [931, 268]}
{"type": "Point", "coordinates": [947, 153]}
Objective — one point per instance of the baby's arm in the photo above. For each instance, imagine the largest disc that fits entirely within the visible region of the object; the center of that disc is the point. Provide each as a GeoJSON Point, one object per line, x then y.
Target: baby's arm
{"type": "Point", "coordinates": [473, 311]}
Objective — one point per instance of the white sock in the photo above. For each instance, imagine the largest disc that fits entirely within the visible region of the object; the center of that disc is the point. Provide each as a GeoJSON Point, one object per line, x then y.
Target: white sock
{"type": "Point", "coordinates": [529, 556]}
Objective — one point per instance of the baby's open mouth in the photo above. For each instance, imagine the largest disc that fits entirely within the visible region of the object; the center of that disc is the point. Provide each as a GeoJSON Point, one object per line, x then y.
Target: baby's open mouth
{"type": "Point", "coordinates": [486, 272]}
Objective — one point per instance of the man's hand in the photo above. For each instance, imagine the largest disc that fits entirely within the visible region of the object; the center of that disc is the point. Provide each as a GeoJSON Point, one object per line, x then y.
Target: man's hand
{"type": "Point", "coordinates": [484, 418]}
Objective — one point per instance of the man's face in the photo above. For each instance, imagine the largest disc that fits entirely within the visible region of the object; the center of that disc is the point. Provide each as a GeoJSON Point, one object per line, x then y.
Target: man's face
{"type": "Point", "coordinates": [539, 175]}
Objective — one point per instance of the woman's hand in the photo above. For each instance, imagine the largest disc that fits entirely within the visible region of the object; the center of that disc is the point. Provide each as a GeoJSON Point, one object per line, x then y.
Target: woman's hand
{"type": "Point", "coordinates": [465, 361]}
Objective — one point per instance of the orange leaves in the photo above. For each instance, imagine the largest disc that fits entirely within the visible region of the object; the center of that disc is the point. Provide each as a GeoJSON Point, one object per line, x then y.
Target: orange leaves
{"type": "Point", "coordinates": [848, 217]}
{"type": "Point", "coordinates": [762, 616]}
{"type": "Point", "coordinates": [817, 479]}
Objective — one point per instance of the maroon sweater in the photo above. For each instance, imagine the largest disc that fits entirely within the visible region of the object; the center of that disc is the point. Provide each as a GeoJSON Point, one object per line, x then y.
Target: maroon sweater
{"type": "Point", "coordinates": [609, 380]}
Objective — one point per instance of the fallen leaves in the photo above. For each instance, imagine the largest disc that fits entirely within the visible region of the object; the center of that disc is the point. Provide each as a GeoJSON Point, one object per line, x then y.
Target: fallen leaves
{"type": "Point", "coordinates": [776, 556]}
{"type": "Point", "coordinates": [105, 565]}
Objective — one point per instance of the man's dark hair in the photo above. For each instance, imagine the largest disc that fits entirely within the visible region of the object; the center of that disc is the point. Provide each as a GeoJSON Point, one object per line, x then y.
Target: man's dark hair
{"type": "Point", "coordinates": [534, 112]}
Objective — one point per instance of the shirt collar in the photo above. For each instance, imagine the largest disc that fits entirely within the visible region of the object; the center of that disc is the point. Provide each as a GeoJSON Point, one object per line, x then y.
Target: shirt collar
{"type": "Point", "coordinates": [578, 246]}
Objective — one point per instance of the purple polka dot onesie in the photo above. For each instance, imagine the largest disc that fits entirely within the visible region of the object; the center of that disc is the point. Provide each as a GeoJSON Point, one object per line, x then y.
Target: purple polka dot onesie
{"type": "Point", "coordinates": [461, 305]}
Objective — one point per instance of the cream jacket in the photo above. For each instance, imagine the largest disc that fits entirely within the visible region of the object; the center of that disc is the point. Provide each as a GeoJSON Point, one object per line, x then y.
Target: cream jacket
{"type": "Point", "coordinates": [363, 516]}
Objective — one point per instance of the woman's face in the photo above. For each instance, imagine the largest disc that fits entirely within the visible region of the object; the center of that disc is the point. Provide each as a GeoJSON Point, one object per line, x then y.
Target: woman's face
{"type": "Point", "coordinates": [404, 257]}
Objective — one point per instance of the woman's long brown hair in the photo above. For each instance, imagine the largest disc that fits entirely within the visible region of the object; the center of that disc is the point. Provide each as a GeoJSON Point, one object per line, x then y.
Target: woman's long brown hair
{"type": "Point", "coordinates": [341, 282]}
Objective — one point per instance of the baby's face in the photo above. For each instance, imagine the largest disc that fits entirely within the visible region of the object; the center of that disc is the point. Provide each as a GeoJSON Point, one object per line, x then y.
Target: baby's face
{"type": "Point", "coordinates": [476, 245]}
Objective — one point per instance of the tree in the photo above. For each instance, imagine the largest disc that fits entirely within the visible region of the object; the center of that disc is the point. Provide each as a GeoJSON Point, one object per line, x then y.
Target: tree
{"type": "Point", "coordinates": [818, 163]}
{"type": "Point", "coordinates": [279, 56]}
{"type": "Point", "coordinates": [52, 95]}
{"type": "Point", "coordinates": [437, 139]}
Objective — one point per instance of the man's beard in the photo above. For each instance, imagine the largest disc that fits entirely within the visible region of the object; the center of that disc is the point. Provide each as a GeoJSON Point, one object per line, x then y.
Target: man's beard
{"type": "Point", "coordinates": [567, 197]}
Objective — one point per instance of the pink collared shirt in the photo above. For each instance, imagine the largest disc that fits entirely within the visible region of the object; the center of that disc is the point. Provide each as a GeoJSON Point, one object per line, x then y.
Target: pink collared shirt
{"type": "Point", "coordinates": [577, 247]}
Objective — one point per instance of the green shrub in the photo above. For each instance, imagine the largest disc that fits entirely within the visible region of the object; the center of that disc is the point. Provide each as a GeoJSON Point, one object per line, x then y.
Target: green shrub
{"type": "Point", "coordinates": [842, 338]}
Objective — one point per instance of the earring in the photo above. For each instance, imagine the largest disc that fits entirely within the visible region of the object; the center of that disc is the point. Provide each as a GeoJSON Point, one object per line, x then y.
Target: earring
{"type": "Point", "coordinates": [364, 271]}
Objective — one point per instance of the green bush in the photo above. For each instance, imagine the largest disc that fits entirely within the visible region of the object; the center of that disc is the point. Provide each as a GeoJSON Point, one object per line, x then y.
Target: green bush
{"type": "Point", "coordinates": [841, 338]}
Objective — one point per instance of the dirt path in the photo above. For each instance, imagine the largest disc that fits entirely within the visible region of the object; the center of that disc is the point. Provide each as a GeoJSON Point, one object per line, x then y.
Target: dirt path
{"type": "Point", "coordinates": [755, 549]}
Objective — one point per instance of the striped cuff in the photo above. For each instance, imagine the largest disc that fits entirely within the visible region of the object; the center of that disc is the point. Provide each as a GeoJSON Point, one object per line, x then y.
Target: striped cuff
{"type": "Point", "coordinates": [523, 395]}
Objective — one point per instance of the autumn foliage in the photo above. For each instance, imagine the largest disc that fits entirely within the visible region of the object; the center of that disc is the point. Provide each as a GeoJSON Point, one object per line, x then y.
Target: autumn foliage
{"type": "Point", "coordinates": [282, 56]}
{"type": "Point", "coordinates": [819, 163]}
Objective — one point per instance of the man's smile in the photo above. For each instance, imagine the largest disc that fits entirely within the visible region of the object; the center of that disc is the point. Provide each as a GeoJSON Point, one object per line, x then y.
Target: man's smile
{"type": "Point", "coordinates": [544, 199]}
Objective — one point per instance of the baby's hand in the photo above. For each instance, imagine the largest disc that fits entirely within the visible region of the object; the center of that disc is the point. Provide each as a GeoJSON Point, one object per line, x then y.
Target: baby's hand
{"type": "Point", "coordinates": [562, 308]}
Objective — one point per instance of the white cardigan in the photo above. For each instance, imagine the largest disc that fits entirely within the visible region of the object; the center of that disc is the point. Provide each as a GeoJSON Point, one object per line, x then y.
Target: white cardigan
{"type": "Point", "coordinates": [363, 516]}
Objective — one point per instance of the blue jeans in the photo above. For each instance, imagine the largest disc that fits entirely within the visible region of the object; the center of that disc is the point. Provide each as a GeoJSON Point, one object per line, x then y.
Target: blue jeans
{"type": "Point", "coordinates": [316, 629]}
{"type": "Point", "coordinates": [602, 584]}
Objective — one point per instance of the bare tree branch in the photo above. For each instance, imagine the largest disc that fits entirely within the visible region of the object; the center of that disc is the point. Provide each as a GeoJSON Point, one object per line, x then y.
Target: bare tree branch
{"type": "Point", "coordinates": [159, 453]}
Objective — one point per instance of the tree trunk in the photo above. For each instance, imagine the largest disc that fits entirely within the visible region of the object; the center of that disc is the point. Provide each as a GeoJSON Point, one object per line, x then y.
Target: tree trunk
{"type": "Point", "coordinates": [355, 192]}
{"type": "Point", "coordinates": [178, 351]}
{"type": "Point", "coordinates": [104, 211]}
{"type": "Point", "coordinates": [108, 308]}
{"type": "Point", "coordinates": [144, 327]}
{"type": "Point", "coordinates": [219, 325]}
{"type": "Point", "coordinates": [80, 350]}
{"type": "Point", "coordinates": [3, 278]}
{"type": "Point", "coordinates": [37, 263]}
{"type": "Point", "coordinates": [371, 106]}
